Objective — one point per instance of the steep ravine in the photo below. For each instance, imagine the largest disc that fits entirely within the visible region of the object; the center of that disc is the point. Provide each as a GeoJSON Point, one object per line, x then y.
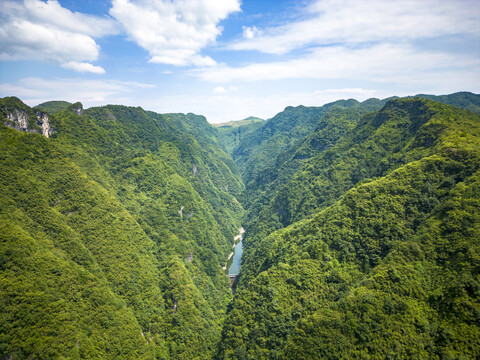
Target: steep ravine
{"type": "Point", "coordinates": [115, 224]}
{"type": "Point", "coordinates": [379, 257]}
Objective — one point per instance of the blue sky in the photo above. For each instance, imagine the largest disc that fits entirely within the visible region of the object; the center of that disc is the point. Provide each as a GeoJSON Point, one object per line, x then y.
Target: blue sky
{"type": "Point", "coordinates": [229, 59]}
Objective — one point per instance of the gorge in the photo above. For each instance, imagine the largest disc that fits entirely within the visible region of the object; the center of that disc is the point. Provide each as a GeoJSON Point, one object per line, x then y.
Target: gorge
{"type": "Point", "coordinates": [361, 219]}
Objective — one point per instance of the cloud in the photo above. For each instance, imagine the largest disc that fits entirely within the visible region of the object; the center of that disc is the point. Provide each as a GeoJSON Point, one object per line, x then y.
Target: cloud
{"type": "Point", "coordinates": [384, 63]}
{"type": "Point", "coordinates": [222, 90]}
{"type": "Point", "coordinates": [173, 32]}
{"type": "Point", "coordinates": [219, 90]}
{"type": "Point", "coordinates": [376, 41]}
{"type": "Point", "coordinates": [249, 32]}
{"type": "Point", "coordinates": [333, 22]}
{"type": "Point", "coordinates": [83, 67]}
{"type": "Point", "coordinates": [34, 90]}
{"type": "Point", "coordinates": [46, 31]}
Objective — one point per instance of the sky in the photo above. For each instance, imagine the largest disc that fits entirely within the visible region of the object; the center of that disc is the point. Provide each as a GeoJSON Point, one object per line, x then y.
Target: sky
{"type": "Point", "coordinates": [230, 59]}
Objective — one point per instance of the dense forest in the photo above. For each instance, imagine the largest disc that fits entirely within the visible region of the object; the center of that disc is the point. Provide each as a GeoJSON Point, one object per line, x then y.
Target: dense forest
{"type": "Point", "coordinates": [362, 224]}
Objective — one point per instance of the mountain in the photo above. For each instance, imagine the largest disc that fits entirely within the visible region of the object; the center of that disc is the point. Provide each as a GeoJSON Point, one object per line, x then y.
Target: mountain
{"type": "Point", "coordinates": [232, 133]}
{"type": "Point", "coordinates": [462, 99]}
{"type": "Point", "coordinates": [381, 257]}
{"type": "Point", "coordinates": [276, 181]}
{"type": "Point", "coordinates": [258, 154]}
{"type": "Point", "coordinates": [331, 126]}
{"type": "Point", "coordinates": [53, 107]}
{"type": "Point", "coordinates": [114, 233]}
{"type": "Point", "coordinates": [237, 123]}
{"type": "Point", "coordinates": [362, 224]}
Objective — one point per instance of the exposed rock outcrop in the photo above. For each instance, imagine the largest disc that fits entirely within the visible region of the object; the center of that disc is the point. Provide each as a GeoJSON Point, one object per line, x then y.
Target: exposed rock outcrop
{"type": "Point", "coordinates": [44, 122]}
{"type": "Point", "coordinates": [19, 118]}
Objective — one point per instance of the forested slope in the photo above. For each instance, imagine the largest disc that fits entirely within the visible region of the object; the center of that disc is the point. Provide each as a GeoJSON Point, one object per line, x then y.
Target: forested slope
{"type": "Point", "coordinates": [387, 265]}
{"type": "Point", "coordinates": [362, 220]}
{"type": "Point", "coordinates": [232, 133]}
{"type": "Point", "coordinates": [114, 232]}
{"type": "Point", "coordinates": [334, 157]}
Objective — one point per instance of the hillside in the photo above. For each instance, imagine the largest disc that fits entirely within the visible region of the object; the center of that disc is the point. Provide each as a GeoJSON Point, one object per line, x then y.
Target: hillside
{"type": "Point", "coordinates": [232, 133]}
{"type": "Point", "coordinates": [115, 230]}
{"type": "Point", "coordinates": [387, 263]}
{"type": "Point", "coordinates": [270, 199]}
{"type": "Point", "coordinates": [261, 153]}
{"type": "Point", "coordinates": [53, 107]}
{"type": "Point", "coordinates": [237, 123]}
{"type": "Point", "coordinates": [362, 224]}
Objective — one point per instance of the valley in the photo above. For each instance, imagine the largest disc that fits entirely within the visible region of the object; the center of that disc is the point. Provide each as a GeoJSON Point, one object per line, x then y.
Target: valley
{"type": "Point", "coordinates": [122, 228]}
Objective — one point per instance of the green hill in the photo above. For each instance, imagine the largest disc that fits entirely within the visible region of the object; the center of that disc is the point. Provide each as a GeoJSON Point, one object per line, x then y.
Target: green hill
{"type": "Point", "coordinates": [232, 133]}
{"type": "Point", "coordinates": [114, 233]}
{"type": "Point", "coordinates": [237, 123]}
{"type": "Point", "coordinates": [362, 221]}
{"type": "Point", "coordinates": [387, 264]}
{"type": "Point", "coordinates": [53, 107]}
{"type": "Point", "coordinates": [261, 152]}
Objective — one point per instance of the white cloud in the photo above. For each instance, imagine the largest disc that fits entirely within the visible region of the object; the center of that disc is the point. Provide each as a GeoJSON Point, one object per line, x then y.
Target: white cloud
{"type": "Point", "coordinates": [249, 32]}
{"type": "Point", "coordinates": [384, 63]}
{"type": "Point", "coordinates": [46, 31]}
{"type": "Point", "coordinates": [35, 90]}
{"type": "Point", "coordinates": [327, 22]}
{"type": "Point", "coordinates": [51, 13]}
{"type": "Point", "coordinates": [222, 90]}
{"type": "Point", "coordinates": [174, 32]}
{"type": "Point", "coordinates": [83, 67]}
{"type": "Point", "coordinates": [356, 41]}
{"type": "Point", "coordinates": [219, 90]}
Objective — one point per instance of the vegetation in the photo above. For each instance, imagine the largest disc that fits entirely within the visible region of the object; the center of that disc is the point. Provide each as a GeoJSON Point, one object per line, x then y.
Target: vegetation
{"type": "Point", "coordinates": [238, 123]}
{"type": "Point", "coordinates": [232, 133]}
{"type": "Point", "coordinates": [362, 220]}
{"type": "Point", "coordinates": [53, 107]}
{"type": "Point", "coordinates": [111, 208]}
{"type": "Point", "coordinates": [387, 264]}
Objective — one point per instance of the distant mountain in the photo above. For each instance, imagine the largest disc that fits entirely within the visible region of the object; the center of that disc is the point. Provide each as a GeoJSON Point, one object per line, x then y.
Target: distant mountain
{"type": "Point", "coordinates": [232, 133]}
{"type": "Point", "coordinates": [264, 154]}
{"type": "Point", "coordinates": [237, 123]}
{"type": "Point", "coordinates": [53, 107]}
{"type": "Point", "coordinates": [463, 99]}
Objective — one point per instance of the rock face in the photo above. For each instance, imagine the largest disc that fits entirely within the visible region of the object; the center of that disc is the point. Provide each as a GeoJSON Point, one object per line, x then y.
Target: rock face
{"type": "Point", "coordinates": [44, 122]}
{"type": "Point", "coordinates": [19, 118]}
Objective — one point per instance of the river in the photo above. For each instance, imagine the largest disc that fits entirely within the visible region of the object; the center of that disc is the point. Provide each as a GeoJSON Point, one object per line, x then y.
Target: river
{"type": "Point", "coordinates": [235, 258]}
{"type": "Point", "coordinates": [234, 268]}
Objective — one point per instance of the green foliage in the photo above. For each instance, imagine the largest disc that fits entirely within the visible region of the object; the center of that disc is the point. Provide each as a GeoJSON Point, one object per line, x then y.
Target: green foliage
{"type": "Point", "coordinates": [403, 131]}
{"type": "Point", "coordinates": [384, 267]}
{"type": "Point", "coordinates": [462, 99]}
{"type": "Point", "coordinates": [257, 153]}
{"type": "Point", "coordinates": [231, 134]}
{"type": "Point", "coordinates": [53, 107]}
{"type": "Point", "coordinates": [102, 199]}
{"type": "Point", "coordinates": [362, 233]}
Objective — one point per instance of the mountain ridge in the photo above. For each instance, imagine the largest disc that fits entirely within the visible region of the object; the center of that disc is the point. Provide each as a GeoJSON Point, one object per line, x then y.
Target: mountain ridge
{"type": "Point", "coordinates": [362, 223]}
